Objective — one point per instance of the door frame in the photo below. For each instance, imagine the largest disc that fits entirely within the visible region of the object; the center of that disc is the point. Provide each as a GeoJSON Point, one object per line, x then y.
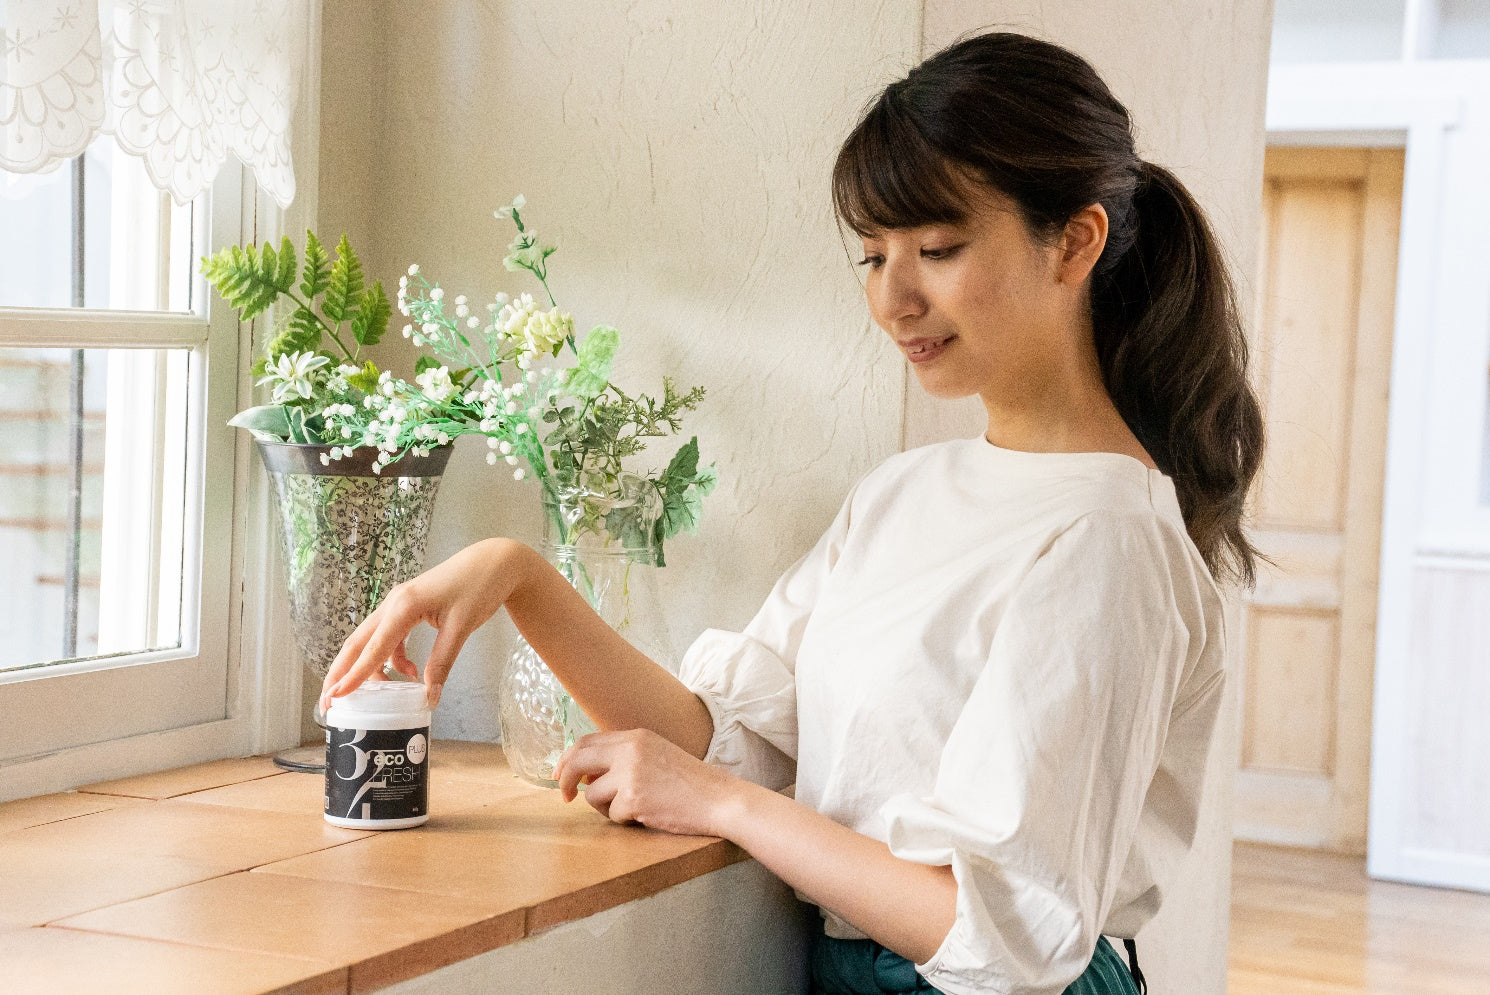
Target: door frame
{"type": "Point", "coordinates": [1314, 106]}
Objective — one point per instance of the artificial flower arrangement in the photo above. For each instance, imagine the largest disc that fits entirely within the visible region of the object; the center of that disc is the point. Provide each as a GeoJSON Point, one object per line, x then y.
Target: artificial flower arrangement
{"type": "Point", "coordinates": [481, 376]}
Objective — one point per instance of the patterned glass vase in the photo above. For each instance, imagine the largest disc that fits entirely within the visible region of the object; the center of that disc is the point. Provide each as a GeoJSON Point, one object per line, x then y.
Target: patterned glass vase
{"type": "Point", "coordinates": [349, 536]}
{"type": "Point", "coordinates": [602, 544]}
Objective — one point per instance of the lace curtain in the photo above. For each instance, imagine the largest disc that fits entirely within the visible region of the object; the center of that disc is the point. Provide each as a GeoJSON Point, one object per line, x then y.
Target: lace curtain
{"type": "Point", "coordinates": [178, 83]}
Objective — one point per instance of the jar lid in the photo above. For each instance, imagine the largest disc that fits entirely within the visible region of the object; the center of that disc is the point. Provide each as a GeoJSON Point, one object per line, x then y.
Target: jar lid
{"type": "Point", "coordinates": [383, 697]}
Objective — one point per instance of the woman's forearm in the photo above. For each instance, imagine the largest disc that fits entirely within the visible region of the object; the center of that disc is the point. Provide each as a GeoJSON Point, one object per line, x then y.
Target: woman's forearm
{"type": "Point", "coordinates": [616, 684]}
{"type": "Point", "coordinates": [906, 906]}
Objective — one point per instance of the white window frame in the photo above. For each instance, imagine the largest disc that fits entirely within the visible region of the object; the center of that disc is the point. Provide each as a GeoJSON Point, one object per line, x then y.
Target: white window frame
{"type": "Point", "coordinates": [233, 687]}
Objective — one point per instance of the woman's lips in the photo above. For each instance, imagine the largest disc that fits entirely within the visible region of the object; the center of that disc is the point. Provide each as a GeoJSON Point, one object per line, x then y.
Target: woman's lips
{"type": "Point", "coordinates": [929, 353]}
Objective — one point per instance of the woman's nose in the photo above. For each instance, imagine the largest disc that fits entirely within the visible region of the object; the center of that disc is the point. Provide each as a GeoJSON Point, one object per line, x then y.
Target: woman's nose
{"type": "Point", "coordinates": [898, 292]}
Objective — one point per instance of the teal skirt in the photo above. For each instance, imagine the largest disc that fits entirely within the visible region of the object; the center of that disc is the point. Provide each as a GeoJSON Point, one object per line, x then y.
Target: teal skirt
{"type": "Point", "coordinates": [863, 967]}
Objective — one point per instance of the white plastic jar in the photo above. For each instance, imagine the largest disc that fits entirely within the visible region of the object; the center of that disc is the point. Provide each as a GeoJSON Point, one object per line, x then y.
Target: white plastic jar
{"type": "Point", "coordinates": [377, 757]}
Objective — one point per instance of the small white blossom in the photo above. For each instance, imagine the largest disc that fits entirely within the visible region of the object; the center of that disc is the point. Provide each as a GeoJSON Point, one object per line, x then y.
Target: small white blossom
{"type": "Point", "coordinates": [408, 330]}
{"type": "Point", "coordinates": [471, 322]}
{"type": "Point", "coordinates": [436, 384]}
{"type": "Point", "coordinates": [436, 294]}
{"type": "Point", "coordinates": [325, 460]}
{"type": "Point", "coordinates": [521, 428]}
{"type": "Point", "coordinates": [505, 447]}
{"type": "Point", "coordinates": [511, 460]}
{"type": "Point", "coordinates": [491, 459]}
{"type": "Point", "coordinates": [413, 268]}
{"type": "Point", "coordinates": [518, 474]}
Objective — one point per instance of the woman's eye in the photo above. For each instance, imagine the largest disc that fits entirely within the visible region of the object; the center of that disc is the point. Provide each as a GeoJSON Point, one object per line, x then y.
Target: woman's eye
{"type": "Point", "coordinates": [873, 262]}
{"type": "Point", "coordinates": [946, 253]}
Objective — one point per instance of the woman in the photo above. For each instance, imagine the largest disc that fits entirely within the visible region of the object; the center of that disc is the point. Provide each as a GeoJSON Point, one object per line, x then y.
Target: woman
{"type": "Point", "coordinates": [995, 677]}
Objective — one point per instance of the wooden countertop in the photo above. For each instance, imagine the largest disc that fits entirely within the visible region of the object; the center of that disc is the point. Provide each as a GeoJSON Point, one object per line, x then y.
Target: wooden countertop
{"type": "Point", "coordinates": [223, 877]}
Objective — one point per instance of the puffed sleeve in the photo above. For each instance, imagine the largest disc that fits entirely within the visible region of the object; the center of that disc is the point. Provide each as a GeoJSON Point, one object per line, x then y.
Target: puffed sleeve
{"type": "Point", "coordinates": [1041, 784]}
{"type": "Point", "coordinates": [748, 679]}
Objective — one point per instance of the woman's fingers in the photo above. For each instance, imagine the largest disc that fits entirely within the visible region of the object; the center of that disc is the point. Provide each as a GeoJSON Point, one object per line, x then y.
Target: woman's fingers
{"type": "Point", "coordinates": [448, 640]}
{"type": "Point", "coordinates": [391, 630]}
{"type": "Point", "coordinates": [581, 762]}
{"type": "Point", "coordinates": [402, 663]}
{"type": "Point", "coordinates": [349, 652]}
{"type": "Point", "coordinates": [601, 792]}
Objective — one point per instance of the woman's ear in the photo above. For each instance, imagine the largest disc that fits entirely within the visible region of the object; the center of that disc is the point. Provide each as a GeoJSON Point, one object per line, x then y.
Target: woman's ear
{"type": "Point", "coordinates": [1081, 244]}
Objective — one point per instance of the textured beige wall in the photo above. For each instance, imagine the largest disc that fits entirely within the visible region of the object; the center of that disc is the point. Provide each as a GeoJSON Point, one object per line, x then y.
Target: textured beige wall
{"type": "Point", "coordinates": [1194, 77]}
{"type": "Point", "coordinates": [679, 153]}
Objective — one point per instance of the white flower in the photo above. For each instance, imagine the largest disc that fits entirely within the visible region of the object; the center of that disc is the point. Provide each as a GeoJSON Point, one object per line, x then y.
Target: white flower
{"type": "Point", "coordinates": [492, 443]}
{"type": "Point", "coordinates": [532, 376]}
{"type": "Point", "coordinates": [491, 459]}
{"type": "Point", "coordinates": [471, 322]}
{"type": "Point", "coordinates": [461, 310]}
{"type": "Point", "coordinates": [436, 294]}
{"type": "Point", "coordinates": [413, 268]}
{"type": "Point", "coordinates": [291, 374]}
{"type": "Point", "coordinates": [511, 460]}
{"type": "Point", "coordinates": [346, 432]}
{"type": "Point", "coordinates": [521, 428]}
{"type": "Point", "coordinates": [511, 408]}
{"type": "Point", "coordinates": [443, 439]}
{"type": "Point", "coordinates": [325, 460]}
{"type": "Point", "coordinates": [505, 447]}
{"type": "Point", "coordinates": [517, 204]}
{"type": "Point", "coordinates": [518, 474]}
{"type": "Point", "coordinates": [408, 330]}
{"type": "Point", "coordinates": [436, 384]}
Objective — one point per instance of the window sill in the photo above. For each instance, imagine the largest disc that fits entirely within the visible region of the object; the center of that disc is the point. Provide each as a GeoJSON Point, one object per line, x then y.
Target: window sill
{"type": "Point", "coordinates": [225, 873]}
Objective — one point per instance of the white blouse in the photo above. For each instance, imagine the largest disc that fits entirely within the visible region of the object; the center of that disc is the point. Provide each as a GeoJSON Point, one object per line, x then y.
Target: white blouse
{"type": "Point", "coordinates": [1003, 661]}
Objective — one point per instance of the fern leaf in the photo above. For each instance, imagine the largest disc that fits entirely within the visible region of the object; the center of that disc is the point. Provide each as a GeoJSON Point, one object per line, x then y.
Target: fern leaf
{"type": "Point", "coordinates": [370, 320]}
{"type": "Point", "coordinates": [284, 278]}
{"type": "Point", "coordinates": [345, 285]}
{"type": "Point", "coordinates": [236, 274]}
{"type": "Point", "coordinates": [317, 267]}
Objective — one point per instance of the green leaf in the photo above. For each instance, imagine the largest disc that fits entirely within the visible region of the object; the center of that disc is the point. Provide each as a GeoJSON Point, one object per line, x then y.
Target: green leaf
{"type": "Point", "coordinates": [270, 419]}
{"type": "Point", "coordinates": [591, 371]}
{"type": "Point", "coordinates": [370, 320]}
{"type": "Point", "coordinates": [367, 380]}
{"type": "Point", "coordinates": [297, 431]}
{"type": "Point", "coordinates": [345, 285]}
{"type": "Point", "coordinates": [241, 278]}
{"type": "Point", "coordinates": [317, 267]}
{"type": "Point", "coordinates": [300, 333]}
{"type": "Point", "coordinates": [683, 467]}
{"type": "Point", "coordinates": [284, 276]}
{"type": "Point", "coordinates": [425, 363]}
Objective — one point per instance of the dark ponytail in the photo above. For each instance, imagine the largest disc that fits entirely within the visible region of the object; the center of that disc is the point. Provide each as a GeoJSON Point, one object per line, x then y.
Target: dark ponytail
{"type": "Point", "coordinates": [1035, 122]}
{"type": "Point", "coordinates": [1174, 358]}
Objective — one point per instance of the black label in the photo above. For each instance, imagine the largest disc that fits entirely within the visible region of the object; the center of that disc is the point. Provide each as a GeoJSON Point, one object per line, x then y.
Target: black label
{"type": "Point", "coordinates": [377, 773]}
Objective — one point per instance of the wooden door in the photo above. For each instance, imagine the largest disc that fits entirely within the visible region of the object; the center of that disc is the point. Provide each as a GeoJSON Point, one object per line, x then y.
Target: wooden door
{"type": "Point", "coordinates": [1321, 360]}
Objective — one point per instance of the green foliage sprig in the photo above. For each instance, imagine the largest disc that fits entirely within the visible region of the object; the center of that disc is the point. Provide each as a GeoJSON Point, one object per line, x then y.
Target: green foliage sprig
{"type": "Point", "coordinates": [252, 278]}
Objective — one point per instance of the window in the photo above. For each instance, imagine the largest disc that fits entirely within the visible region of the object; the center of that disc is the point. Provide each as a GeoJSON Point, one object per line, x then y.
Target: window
{"type": "Point", "coordinates": [117, 378]}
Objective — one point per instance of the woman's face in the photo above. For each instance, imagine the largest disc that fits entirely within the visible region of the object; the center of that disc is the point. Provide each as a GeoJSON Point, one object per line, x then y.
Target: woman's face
{"type": "Point", "coordinates": [985, 288]}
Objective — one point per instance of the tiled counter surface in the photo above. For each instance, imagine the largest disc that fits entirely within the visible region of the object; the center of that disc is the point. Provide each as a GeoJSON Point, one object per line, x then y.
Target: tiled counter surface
{"type": "Point", "coordinates": [223, 877]}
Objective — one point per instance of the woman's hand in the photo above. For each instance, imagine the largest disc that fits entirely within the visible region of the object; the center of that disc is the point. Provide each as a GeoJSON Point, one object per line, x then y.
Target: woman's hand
{"type": "Point", "coordinates": [638, 776]}
{"type": "Point", "coordinates": [455, 598]}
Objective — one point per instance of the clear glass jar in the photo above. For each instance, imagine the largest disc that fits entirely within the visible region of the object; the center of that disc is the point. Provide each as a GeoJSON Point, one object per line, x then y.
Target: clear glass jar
{"type": "Point", "coordinates": [602, 544]}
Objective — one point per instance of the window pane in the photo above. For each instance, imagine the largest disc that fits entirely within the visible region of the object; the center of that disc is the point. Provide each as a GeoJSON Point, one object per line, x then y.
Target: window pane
{"type": "Point", "coordinates": [91, 508]}
{"type": "Point", "coordinates": [131, 244]}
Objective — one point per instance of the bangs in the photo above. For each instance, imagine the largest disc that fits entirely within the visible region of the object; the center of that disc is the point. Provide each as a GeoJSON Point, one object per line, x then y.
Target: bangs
{"type": "Point", "coordinates": [888, 175]}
